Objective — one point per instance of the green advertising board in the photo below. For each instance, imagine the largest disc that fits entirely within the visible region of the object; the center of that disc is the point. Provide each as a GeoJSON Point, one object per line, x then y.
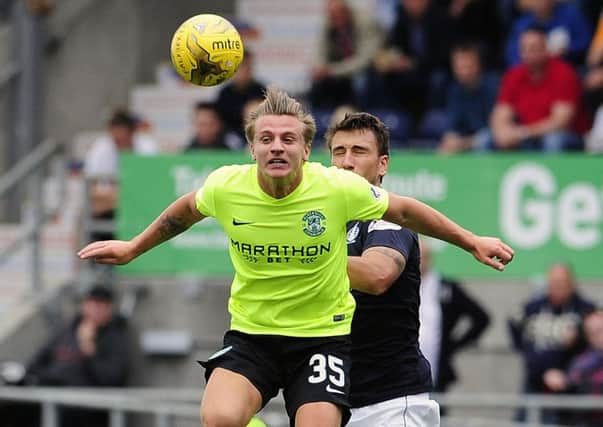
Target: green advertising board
{"type": "Point", "coordinates": [549, 208]}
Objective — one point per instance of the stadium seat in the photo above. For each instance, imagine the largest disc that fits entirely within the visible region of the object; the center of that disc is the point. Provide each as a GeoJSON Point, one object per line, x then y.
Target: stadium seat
{"type": "Point", "coordinates": [434, 124]}
{"type": "Point", "coordinates": [439, 81]}
{"type": "Point", "coordinates": [398, 124]}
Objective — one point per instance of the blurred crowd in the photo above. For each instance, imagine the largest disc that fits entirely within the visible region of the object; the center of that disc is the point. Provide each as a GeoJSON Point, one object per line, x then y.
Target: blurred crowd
{"type": "Point", "coordinates": [462, 75]}
{"type": "Point", "coordinates": [90, 349]}
{"type": "Point", "coordinates": [559, 337]}
{"type": "Point", "coordinates": [445, 75]}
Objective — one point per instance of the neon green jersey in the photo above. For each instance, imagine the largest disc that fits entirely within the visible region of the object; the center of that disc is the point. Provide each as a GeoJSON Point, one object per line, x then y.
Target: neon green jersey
{"type": "Point", "coordinates": [290, 254]}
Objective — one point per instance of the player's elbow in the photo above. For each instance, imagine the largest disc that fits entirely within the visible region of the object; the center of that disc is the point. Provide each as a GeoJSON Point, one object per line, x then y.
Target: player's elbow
{"type": "Point", "coordinates": [373, 280]}
{"type": "Point", "coordinates": [381, 283]}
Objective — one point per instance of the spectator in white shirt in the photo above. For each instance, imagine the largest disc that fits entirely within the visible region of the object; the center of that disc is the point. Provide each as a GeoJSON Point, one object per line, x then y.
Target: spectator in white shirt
{"type": "Point", "coordinates": [444, 304]}
{"type": "Point", "coordinates": [101, 162]}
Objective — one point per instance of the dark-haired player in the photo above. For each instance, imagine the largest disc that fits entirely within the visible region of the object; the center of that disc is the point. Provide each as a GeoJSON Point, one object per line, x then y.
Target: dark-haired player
{"type": "Point", "coordinates": [390, 378]}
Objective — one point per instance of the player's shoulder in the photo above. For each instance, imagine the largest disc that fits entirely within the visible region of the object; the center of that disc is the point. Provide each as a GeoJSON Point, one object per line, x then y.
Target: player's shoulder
{"type": "Point", "coordinates": [342, 182]}
{"type": "Point", "coordinates": [333, 172]}
{"type": "Point", "coordinates": [234, 169]}
{"type": "Point", "coordinates": [380, 225]}
{"type": "Point", "coordinates": [341, 179]}
{"type": "Point", "coordinates": [329, 179]}
{"type": "Point", "coordinates": [229, 177]}
{"type": "Point", "coordinates": [229, 172]}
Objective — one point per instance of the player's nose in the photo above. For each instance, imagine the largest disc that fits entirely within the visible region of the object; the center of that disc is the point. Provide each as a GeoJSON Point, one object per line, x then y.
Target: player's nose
{"type": "Point", "coordinates": [348, 161]}
{"type": "Point", "coordinates": [277, 145]}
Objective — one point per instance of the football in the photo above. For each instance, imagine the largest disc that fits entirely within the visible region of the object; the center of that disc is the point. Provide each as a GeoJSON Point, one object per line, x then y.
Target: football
{"type": "Point", "coordinates": [206, 50]}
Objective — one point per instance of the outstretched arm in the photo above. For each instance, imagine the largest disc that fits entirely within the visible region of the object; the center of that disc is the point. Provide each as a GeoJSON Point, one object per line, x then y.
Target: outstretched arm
{"type": "Point", "coordinates": [417, 216]}
{"type": "Point", "coordinates": [178, 217]}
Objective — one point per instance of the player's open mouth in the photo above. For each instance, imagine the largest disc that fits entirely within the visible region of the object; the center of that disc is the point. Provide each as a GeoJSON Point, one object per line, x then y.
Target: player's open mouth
{"type": "Point", "coordinates": [277, 162]}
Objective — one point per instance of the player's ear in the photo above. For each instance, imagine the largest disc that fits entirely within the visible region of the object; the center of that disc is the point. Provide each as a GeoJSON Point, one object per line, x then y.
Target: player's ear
{"type": "Point", "coordinates": [307, 150]}
{"type": "Point", "coordinates": [252, 151]}
{"type": "Point", "coordinates": [383, 164]}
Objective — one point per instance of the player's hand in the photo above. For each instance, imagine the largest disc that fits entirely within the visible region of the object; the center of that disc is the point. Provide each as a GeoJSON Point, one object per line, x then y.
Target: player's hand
{"type": "Point", "coordinates": [116, 252]}
{"type": "Point", "coordinates": [492, 252]}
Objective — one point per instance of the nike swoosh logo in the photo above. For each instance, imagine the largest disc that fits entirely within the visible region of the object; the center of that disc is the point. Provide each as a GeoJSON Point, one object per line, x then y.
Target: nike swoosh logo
{"type": "Point", "coordinates": [235, 222]}
{"type": "Point", "coordinates": [334, 390]}
{"type": "Point", "coordinates": [220, 353]}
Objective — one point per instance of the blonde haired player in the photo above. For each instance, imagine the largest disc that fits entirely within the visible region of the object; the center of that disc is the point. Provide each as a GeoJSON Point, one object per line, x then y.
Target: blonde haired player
{"type": "Point", "coordinates": [290, 303]}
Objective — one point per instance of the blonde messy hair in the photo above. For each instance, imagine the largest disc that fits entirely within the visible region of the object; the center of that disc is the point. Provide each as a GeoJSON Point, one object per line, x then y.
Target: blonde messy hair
{"type": "Point", "coordinates": [278, 103]}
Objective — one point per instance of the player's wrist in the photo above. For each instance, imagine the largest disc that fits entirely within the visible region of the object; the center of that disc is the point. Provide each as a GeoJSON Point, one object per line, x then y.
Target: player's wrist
{"type": "Point", "coordinates": [136, 248]}
{"type": "Point", "coordinates": [469, 241]}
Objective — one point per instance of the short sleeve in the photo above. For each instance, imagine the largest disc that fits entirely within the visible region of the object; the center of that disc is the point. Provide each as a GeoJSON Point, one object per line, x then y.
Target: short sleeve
{"type": "Point", "coordinates": [568, 87]}
{"type": "Point", "coordinates": [387, 234]}
{"type": "Point", "coordinates": [363, 200]}
{"type": "Point", "coordinates": [506, 94]}
{"type": "Point", "coordinates": [205, 196]}
{"type": "Point", "coordinates": [101, 159]}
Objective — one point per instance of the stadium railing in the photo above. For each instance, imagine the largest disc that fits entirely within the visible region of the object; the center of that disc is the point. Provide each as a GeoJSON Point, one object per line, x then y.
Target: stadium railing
{"type": "Point", "coordinates": [167, 405]}
{"type": "Point", "coordinates": [28, 171]}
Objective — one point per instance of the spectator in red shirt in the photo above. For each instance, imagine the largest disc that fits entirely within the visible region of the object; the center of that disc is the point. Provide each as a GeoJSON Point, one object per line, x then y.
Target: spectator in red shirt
{"type": "Point", "coordinates": [539, 103]}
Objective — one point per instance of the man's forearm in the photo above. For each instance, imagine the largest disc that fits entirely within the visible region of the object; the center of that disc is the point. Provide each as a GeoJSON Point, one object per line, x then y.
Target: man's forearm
{"type": "Point", "coordinates": [363, 276]}
{"type": "Point", "coordinates": [423, 219]}
{"type": "Point", "coordinates": [543, 127]}
{"type": "Point", "coordinates": [175, 219]}
{"type": "Point", "coordinates": [559, 119]}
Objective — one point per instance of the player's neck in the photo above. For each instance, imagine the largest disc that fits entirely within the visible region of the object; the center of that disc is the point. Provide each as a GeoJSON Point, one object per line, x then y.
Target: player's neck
{"type": "Point", "coordinates": [280, 187]}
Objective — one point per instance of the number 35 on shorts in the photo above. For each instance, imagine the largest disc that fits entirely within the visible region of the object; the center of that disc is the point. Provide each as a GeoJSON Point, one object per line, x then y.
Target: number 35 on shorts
{"type": "Point", "coordinates": [327, 367]}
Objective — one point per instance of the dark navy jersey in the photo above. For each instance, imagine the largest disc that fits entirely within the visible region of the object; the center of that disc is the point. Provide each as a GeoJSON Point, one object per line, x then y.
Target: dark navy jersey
{"type": "Point", "coordinates": [386, 360]}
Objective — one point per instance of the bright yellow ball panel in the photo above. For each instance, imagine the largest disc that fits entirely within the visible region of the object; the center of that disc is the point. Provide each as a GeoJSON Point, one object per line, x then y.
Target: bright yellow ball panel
{"type": "Point", "coordinates": [206, 50]}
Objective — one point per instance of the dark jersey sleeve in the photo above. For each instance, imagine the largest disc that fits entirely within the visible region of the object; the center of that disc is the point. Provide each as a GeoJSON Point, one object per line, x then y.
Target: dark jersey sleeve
{"type": "Point", "coordinates": [383, 233]}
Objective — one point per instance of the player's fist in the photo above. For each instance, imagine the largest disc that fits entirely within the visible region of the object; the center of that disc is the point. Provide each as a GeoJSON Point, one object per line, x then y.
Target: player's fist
{"type": "Point", "coordinates": [116, 252]}
{"type": "Point", "coordinates": [492, 251]}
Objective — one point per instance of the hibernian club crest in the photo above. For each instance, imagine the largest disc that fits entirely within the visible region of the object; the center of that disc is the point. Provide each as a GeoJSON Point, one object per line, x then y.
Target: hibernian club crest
{"type": "Point", "coordinates": [313, 223]}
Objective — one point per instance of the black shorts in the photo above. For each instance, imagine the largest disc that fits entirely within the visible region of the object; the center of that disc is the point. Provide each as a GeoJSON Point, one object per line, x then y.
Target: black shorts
{"type": "Point", "coordinates": [307, 369]}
